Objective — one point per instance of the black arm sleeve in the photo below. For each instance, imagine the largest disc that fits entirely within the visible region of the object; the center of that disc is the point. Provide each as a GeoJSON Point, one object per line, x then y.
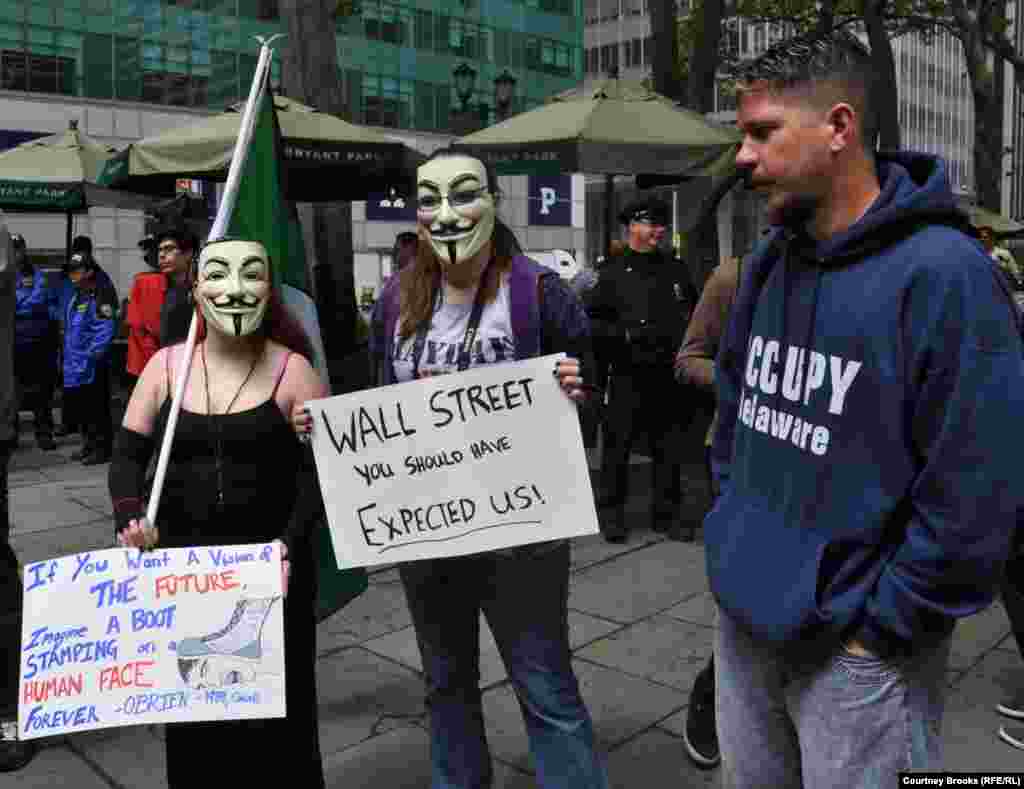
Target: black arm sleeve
{"type": "Point", "coordinates": [309, 505]}
{"type": "Point", "coordinates": [127, 476]}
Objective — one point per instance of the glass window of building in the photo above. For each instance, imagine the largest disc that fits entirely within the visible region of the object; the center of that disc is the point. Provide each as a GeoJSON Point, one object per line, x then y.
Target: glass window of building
{"type": "Point", "coordinates": [201, 53]}
{"type": "Point", "coordinates": [424, 29]}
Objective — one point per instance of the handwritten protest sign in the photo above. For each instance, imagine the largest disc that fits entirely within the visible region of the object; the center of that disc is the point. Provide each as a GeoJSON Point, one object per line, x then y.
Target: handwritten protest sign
{"type": "Point", "coordinates": [120, 638]}
{"type": "Point", "coordinates": [450, 465]}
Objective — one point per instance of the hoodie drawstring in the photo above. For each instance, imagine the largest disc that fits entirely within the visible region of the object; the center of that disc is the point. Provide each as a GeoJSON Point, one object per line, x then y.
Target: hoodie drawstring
{"type": "Point", "coordinates": [784, 340]}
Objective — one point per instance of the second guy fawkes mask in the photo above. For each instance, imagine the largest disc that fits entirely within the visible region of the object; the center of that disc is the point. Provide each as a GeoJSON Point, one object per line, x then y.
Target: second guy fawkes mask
{"type": "Point", "coordinates": [233, 286]}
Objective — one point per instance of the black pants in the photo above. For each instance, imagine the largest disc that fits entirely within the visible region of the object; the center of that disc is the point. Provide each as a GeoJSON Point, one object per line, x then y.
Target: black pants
{"type": "Point", "coordinates": [90, 405]}
{"type": "Point", "coordinates": [35, 370]}
{"type": "Point", "coordinates": [10, 601]}
{"type": "Point", "coordinates": [651, 402]}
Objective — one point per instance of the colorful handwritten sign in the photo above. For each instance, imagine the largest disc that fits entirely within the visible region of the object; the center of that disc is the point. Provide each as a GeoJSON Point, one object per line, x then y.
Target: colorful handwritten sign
{"type": "Point", "coordinates": [121, 638]}
{"type": "Point", "coordinates": [451, 465]}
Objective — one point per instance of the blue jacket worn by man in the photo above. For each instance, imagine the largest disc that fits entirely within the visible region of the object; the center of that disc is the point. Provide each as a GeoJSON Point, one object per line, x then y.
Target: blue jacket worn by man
{"type": "Point", "coordinates": [90, 322]}
{"type": "Point", "coordinates": [36, 311]}
{"type": "Point", "coordinates": [871, 389]}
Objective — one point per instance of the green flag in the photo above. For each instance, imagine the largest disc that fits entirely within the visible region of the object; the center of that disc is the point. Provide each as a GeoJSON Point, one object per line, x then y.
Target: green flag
{"type": "Point", "coordinates": [261, 213]}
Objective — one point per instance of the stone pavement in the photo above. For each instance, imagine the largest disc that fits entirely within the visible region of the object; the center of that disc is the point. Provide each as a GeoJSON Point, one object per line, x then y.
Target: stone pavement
{"type": "Point", "coordinates": [642, 623]}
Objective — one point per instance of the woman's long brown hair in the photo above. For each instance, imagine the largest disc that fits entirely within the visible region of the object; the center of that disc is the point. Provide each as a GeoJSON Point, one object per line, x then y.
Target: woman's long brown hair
{"type": "Point", "coordinates": [418, 283]}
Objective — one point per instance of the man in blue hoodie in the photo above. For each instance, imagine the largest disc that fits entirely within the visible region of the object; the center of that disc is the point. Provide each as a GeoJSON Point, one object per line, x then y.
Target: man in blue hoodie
{"type": "Point", "coordinates": [870, 386]}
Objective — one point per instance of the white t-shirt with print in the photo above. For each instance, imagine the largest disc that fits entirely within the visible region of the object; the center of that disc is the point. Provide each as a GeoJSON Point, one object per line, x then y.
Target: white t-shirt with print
{"type": "Point", "coordinates": [494, 341]}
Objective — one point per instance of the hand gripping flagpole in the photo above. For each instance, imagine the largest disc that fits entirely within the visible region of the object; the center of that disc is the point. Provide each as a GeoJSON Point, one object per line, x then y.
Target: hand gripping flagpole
{"type": "Point", "coordinates": [219, 229]}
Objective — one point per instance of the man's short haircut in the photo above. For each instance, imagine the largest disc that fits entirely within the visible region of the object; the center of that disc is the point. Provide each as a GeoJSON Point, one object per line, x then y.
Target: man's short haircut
{"type": "Point", "coordinates": [835, 67]}
{"type": "Point", "coordinates": [180, 235]}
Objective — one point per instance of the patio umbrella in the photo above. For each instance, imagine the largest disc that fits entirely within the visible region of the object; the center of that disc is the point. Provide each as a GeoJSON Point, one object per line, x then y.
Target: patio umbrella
{"type": "Point", "coordinates": [616, 128]}
{"type": "Point", "coordinates": [57, 174]}
{"type": "Point", "coordinates": [325, 157]}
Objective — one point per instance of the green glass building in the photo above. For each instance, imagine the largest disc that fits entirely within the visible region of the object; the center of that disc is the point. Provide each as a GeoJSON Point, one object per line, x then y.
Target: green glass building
{"type": "Point", "coordinates": [396, 58]}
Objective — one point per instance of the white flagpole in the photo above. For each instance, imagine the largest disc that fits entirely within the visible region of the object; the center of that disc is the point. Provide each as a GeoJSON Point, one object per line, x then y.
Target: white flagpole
{"type": "Point", "coordinates": [220, 226]}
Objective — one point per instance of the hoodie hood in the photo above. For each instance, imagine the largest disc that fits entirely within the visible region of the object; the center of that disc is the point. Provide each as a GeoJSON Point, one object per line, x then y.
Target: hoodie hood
{"type": "Point", "coordinates": [915, 191]}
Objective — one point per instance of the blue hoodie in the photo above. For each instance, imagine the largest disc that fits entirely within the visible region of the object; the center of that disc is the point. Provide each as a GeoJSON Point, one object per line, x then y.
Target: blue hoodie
{"type": "Point", "coordinates": [871, 392]}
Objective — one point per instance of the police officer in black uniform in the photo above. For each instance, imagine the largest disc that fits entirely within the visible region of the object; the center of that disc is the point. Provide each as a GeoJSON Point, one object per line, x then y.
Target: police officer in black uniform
{"type": "Point", "coordinates": [639, 309]}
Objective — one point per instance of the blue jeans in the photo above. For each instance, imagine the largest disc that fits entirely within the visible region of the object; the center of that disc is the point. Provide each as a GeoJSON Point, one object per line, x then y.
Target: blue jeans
{"type": "Point", "coordinates": [525, 599]}
{"type": "Point", "coordinates": [828, 720]}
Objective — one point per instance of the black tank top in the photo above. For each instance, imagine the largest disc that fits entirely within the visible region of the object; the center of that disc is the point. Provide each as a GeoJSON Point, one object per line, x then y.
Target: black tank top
{"type": "Point", "coordinates": [260, 462]}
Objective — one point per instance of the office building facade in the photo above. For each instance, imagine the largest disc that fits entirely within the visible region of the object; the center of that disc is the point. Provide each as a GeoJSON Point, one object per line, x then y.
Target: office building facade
{"type": "Point", "coordinates": [131, 68]}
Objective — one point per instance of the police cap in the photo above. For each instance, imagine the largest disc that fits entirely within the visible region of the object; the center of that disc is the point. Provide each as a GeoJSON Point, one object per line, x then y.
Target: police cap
{"type": "Point", "coordinates": [652, 210]}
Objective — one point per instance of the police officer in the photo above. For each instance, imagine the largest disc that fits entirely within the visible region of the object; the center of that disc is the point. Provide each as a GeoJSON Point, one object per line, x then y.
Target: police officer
{"type": "Point", "coordinates": [90, 322]}
{"type": "Point", "coordinates": [639, 308]}
{"type": "Point", "coordinates": [35, 342]}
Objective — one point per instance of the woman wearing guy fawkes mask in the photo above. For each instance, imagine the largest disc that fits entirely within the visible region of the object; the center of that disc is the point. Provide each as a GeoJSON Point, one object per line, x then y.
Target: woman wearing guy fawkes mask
{"type": "Point", "coordinates": [249, 369]}
{"type": "Point", "coordinates": [468, 274]}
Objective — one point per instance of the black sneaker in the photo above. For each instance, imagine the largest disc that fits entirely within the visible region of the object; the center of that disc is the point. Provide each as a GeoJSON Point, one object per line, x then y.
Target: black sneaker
{"type": "Point", "coordinates": [1013, 706]}
{"type": "Point", "coordinates": [700, 735]}
{"type": "Point", "coordinates": [1014, 735]}
{"type": "Point", "coordinates": [14, 754]}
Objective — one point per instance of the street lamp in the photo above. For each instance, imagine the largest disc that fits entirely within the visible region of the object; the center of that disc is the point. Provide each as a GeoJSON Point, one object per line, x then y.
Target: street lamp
{"type": "Point", "coordinates": [465, 79]}
{"type": "Point", "coordinates": [504, 87]}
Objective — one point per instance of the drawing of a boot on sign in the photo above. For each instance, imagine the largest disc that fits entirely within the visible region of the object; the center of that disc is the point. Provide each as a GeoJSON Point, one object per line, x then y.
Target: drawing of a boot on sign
{"type": "Point", "coordinates": [232, 655]}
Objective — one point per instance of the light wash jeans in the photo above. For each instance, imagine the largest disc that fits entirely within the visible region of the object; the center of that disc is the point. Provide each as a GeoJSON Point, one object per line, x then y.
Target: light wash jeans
{"type": "Point", "coordinates": [828, 721]}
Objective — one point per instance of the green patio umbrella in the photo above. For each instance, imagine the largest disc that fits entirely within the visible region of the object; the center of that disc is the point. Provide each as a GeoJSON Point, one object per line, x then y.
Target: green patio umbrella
{"type": "Point", "coordinates": [616, 128]}
{"type": "Point", "coordinates": [57, 174]}
{"type": "Point", "coordinates": [325, 157]}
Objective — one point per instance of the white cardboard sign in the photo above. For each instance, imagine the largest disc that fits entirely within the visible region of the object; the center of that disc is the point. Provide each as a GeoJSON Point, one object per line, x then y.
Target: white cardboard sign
{"type": "Point", "coordinates": [451, 465]}
{"type": "Point", "coordinates": [123, 638]}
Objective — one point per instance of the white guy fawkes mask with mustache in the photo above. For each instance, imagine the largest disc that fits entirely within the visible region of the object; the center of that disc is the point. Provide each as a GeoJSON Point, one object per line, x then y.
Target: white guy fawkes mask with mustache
{"type": "Point", "coordinates": [455, 206]}
{"type": "Point", "coordinates": [233, 286]}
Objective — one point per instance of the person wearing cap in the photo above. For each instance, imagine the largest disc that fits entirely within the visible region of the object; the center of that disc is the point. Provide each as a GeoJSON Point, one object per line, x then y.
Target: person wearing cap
{"type": "Point", "coordinates": [35, 343]}
{"type": "Point", "coordinates": [142, 312]}
{"type": "Point", "coordinates": [640, 307]}
{"type": "Point", "coordinates": [90, 322]}
{"type": "Point", "coordinates": [70, 421]}
{"type": "Point", "coordinates": [14, 753]}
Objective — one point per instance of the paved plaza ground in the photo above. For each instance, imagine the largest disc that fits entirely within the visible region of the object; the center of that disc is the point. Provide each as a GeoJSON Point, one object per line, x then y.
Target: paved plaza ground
{"type": "Point", "coordinates": [642, 623]}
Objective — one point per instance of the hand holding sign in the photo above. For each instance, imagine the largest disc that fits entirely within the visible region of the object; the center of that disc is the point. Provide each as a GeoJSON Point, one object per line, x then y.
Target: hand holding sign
{"type": "Point", "coordinates": [568, 373]}
{"type": "Point", "coordinates": [139, 534]}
